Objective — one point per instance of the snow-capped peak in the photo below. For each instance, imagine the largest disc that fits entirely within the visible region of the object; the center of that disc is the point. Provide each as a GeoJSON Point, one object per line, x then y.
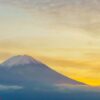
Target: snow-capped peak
{"type": "Point", "coordinates": [19, 60]}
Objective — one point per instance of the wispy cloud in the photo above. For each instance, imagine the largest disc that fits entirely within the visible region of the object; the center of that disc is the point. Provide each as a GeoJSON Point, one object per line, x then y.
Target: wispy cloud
{"type": "Point", "coordinates": [66, 87]}
{"type": "Point", "coordinates": [8, 87]}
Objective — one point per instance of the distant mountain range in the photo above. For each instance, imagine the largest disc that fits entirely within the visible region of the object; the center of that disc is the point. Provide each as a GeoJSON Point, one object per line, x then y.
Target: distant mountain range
{"type": "Point", "coordinates": [24, 70]}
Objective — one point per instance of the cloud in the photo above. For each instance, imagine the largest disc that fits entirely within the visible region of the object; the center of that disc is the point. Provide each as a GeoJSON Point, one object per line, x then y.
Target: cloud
{"type": "Point", "coordinates": [8, 87]}
{"type": "Point", "coordinates": [66, 87]}
{"type": "Point", "coordinates": [74, 13]}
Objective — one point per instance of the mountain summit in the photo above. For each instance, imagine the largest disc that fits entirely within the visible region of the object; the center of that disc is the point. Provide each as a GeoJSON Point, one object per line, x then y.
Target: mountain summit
{"type": "Point", "coordinates": [24, 70]}
{"type": "Point", "coordinates": [19, 60]}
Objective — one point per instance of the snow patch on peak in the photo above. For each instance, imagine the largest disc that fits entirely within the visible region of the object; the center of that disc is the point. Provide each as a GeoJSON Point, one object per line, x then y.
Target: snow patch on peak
{"type": "Point", "coordinates": [19, 60]}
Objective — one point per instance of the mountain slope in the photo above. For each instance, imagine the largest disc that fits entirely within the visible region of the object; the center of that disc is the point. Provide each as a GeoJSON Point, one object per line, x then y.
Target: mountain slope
{"type": "Point", "coordinates": [24, 70]}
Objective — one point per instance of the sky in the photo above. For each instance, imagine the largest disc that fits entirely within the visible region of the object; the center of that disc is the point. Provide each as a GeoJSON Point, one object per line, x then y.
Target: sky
{"type": "Point", "coordinates": [64, 34]}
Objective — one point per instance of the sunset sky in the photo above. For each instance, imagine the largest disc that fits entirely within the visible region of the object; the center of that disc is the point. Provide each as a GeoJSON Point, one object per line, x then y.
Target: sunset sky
{"type": "Point", "coordinates": [64, 34]}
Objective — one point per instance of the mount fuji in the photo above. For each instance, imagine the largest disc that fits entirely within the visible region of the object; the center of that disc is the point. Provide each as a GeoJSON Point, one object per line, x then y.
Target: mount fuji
{"type": "Point", "coordinates": [24, 70]}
